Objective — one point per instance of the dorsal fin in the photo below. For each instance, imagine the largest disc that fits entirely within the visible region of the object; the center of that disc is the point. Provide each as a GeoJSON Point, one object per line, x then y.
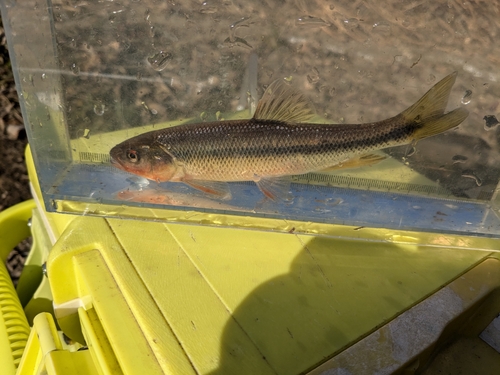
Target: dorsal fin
{"type": "Point", "coordinates": [282, 102]}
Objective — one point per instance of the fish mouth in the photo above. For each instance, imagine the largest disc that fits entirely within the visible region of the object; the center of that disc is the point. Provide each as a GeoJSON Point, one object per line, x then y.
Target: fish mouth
{"type": "Point", "coordinates": [113, 156]}
{"type": "Point", "coordinates": [113, 160]}
{"type": "Point", "coordinates": [116, 163]}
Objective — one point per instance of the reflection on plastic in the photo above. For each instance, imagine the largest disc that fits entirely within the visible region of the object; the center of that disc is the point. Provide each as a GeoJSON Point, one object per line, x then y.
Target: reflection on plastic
{"type": "Point", "coordinates": [160, 196]}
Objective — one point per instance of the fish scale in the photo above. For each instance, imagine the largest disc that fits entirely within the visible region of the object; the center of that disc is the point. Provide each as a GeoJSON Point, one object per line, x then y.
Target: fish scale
{"type": "Point", "coordinates": [222, 156]}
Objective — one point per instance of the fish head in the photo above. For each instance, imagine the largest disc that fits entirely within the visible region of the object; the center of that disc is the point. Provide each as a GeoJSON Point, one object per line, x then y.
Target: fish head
{"type": "Point", "coordinates": [143, 157]}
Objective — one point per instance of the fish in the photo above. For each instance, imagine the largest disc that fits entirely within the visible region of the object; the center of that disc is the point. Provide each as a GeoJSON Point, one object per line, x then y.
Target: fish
{"type": "Point", "coordinates": [278, 142]}
{"type": "Point", "coordinates": [162, 196]}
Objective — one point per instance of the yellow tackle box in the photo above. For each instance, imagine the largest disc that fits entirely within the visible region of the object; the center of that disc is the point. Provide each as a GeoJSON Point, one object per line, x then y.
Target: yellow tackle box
{"type": "Point", "coordinates": [138, 297]}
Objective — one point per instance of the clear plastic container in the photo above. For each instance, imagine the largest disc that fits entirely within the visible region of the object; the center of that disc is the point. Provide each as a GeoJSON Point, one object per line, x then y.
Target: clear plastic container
{"type": "Point", "coordinates": [93, 74]}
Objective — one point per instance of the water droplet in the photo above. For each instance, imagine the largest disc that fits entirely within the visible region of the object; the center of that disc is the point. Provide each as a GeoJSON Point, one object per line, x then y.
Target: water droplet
{"type": "Point", "coordinates": [160, 60]}
{"type": "Point", "coordinates": [382, 27]}
{"type": "Point", "coordinates": [208, 7]}
{"type": "Point", "coordinates": [232, 39]}
{"type": "Point", "coordinates": [459, 159]}
{"type": "Point", "coordinates": [467, 97]}
{"type": "Point", "coordinates": [312, 79]}
{"type": "Point", "coordinates": [153, 111]}
{"type": "Point", "coordinates": [314, 76]}
{"type": "Point", "coordinates": [99, 109]}
{"type": "Point", "coordinates": [203, 116]}
{"type": "Point", "coordinates": [240, 23]}
{"type": "Point", "coordinates": [44, 75]}
{"type": "Point", "coordinates": [490, 122]}
{"type": "Point", "coordinates": [431, 79]}
{"type": "Point", "coordinates": [472, 175]}
{"type": "Point", "coordinates": [238, 42]}
{"type": "Point", "coordinates": [75, 69]}
{"type": "Point", "coordinates": [311, 22]}
{"type": "Point", "coordinates": [351, 23]}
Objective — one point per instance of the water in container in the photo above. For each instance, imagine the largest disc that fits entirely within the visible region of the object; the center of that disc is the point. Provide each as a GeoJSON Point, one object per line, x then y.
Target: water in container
{"type": "Point", "coordinates": [341, 112]}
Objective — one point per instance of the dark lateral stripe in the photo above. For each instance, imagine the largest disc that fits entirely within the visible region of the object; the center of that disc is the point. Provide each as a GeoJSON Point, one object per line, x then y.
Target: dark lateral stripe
{"type": "Point", "coordinates": [333, 141]}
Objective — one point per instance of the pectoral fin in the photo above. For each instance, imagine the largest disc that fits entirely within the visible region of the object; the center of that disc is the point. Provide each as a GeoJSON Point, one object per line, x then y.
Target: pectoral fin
{"type": "Point", "coordinates": [277, 189]}
{"type": "Point", "coordinates": [217, 188]}
{"type": "Point", "coordinates": [360, 161]}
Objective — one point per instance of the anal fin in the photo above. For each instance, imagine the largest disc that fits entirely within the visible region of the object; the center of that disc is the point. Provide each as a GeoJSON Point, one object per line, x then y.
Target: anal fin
{"type": "Point", "coordinates": [356, 162]}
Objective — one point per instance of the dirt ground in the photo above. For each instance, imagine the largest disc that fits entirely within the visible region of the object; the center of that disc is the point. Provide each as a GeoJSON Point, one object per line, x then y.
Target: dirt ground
{"type": "Point", "coordinates": [13, 176]}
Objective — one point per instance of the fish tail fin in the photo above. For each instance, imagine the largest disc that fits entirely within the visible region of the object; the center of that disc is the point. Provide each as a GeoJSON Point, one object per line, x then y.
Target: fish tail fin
{"type": "Point", "coordinates": [428, 111]}
{"type": "Point", "coordinates": [440, 124]}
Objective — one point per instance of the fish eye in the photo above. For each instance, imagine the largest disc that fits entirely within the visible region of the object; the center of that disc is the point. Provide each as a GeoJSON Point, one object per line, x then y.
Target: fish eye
{"type": "Point", "coordinates": [133, 156]}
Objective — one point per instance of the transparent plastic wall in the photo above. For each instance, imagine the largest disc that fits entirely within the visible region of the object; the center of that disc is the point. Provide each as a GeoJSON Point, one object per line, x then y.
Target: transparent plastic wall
{"type": "Point", "coordinates": [92, 74]}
